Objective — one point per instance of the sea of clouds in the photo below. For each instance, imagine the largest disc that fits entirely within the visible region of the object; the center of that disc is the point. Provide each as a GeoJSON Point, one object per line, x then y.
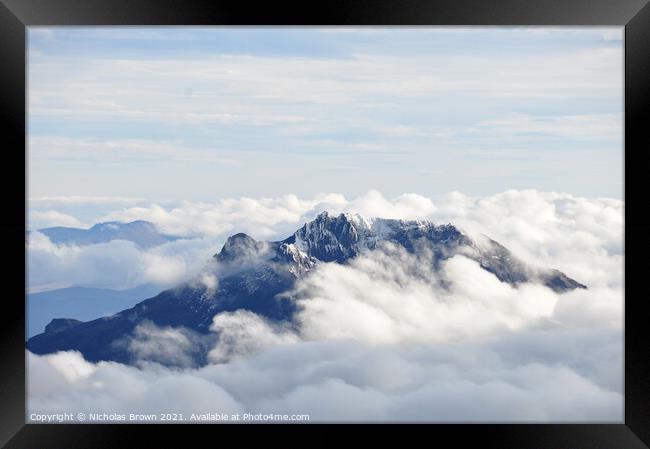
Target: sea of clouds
{"type": "Point", "coordinates": [379, 339]}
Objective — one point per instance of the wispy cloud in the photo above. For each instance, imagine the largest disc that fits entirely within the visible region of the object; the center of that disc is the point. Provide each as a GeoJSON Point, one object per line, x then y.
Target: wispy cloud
{"type": "Point", "coordinates": [120, 151]}
{"type": "Point", "coordinates": [319, 96]}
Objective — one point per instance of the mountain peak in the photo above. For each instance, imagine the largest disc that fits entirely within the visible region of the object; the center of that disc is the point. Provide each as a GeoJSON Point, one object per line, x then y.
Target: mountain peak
{"type": "Point", "coordinates": [350, 216]}
{"type": "Point", "coordinates": [257, 275]}
{"type": "Point", "coordinates": [240, 247]}
{"type": "Point", "coordinates": [330, 237]}
{"type": "Point", "coordinates": [239, 237]}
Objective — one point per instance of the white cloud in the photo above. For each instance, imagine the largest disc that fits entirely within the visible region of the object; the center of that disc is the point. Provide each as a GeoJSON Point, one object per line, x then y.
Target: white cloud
{"type": "Point", "coordinates": [168, 346]}
{"type": "Point", "coordinates": [546, 228]}
{"type": "Point", "coordinates": [233, 121]}
{"type": "Point", "coordinates": [261, 217]}
{"type": "Point", "coordinates": [46, 219]}
{"type": "Point", "coordinates": [119, 388]}
{"type": "Point", "coordinates": [352, 381]}
{"type": "Point", "coordinates": [289, 91]}
{"type": "Point", "coordinates": [81, 199]}
{"type": "Point", "coordinates": [242, 333]}
{"type": "Point", "coordinates": [582, 237]}
{"type": "Point", "coordinates": [592, 127]}
{"type": "Point", "coordinates": [382, 339]}
{"type": "Point", "coordinates": [118, 264]}
{"type": "Point", "coordinates": [390, 296]}
{"type": "Point", "coordinates": [118, 151]}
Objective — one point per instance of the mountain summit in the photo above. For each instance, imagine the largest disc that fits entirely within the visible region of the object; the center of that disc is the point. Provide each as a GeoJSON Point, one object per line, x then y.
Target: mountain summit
{"type": "Point", "coordinates": [252, 275]}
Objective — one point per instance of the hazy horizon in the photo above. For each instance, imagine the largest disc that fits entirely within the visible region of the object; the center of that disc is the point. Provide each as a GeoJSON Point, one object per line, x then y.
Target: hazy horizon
{"type": "Point", "coordinates": [201, 114]}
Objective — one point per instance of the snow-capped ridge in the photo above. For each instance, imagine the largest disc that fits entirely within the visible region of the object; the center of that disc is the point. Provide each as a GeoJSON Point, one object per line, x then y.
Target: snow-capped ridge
{"type": "Point", "coordinates": [256, 276]}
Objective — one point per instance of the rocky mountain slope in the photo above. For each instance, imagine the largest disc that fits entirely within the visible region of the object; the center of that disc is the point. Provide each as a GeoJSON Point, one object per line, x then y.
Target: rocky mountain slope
{"type": "Point", "coordinates": [252, 275]}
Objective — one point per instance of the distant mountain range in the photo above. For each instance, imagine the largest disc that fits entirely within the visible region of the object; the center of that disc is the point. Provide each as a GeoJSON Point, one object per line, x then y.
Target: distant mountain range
{"type": "Point", "coordinates": [253, 274]}
{"type": "Point", "coordinates": [142, 233]}
{"type": "Point", "coordinates": [80, 303]}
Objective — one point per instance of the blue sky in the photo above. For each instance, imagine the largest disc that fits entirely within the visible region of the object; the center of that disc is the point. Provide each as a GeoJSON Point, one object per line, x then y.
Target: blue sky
{"type": "Point", "coordinates": [169, 114]}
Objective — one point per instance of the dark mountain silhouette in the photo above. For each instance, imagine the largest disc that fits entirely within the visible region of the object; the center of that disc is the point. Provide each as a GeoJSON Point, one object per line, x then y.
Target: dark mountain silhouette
{"type": "Point", "coordinates": [252, 275]}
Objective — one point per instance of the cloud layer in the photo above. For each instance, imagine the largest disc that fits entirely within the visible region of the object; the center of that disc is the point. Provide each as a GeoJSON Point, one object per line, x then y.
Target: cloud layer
{"type": "Point", "coordinates": [522, 378]}
{"type": "Point", "coordinates": [220, 111]}
{"type": "Point", "coordinates": [392, 297]}
{"type": "Point", "coordinates": [383, 339]}
{"type": "Point", "coordinates": [580, 236]}
{"type": "Point", "coordinates": [118, 264]}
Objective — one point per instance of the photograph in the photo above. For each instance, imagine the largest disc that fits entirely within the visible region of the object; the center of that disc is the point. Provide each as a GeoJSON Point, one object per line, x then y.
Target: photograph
{"type": "Point", "coordinates": [324, 224]}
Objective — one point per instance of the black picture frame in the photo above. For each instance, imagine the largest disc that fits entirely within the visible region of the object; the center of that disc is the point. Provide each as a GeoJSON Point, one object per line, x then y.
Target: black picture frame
{"type": "Point", "coordinates": [16, 15]}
